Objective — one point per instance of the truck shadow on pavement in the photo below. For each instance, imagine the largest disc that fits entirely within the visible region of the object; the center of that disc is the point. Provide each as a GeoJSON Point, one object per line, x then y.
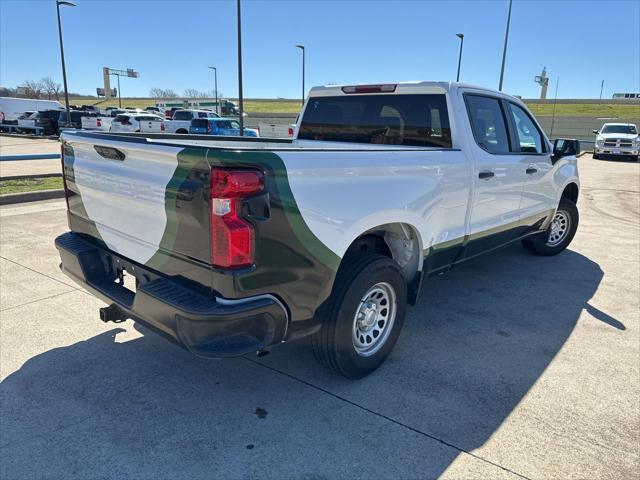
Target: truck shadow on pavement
{"type": "Point", "coordinates": [479, 339]}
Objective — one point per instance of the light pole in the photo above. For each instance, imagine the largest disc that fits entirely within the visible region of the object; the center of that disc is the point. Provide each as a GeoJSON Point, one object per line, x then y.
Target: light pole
{"type": "Point", "coordinates": [504, 51]}
{"type": "Point", "coordinates": [64, 70]}
{"type": "Point", "coordinates": [240, 99]}
{"type": "Point", "coordinates": [119, 91]}
{"type": "Point", "coordinates": [215, 73]}
{"type": "Point", "coordinates": [301, 47]}
{"type": "Point", "coordinates": [461, 37]}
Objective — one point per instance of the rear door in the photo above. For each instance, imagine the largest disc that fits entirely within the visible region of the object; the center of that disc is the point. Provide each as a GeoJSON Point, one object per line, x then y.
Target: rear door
{"type": "Point", "coordinates": [498, 174]}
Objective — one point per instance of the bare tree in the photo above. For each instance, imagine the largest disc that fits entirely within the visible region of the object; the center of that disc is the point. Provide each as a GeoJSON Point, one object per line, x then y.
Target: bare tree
{"type": "Point", "coordinates": [194, 93]}
{"type": "Point", "coordinates": [156, 92]}
{"type": "Point", "coordinates": [32, 89]}
{"type": "Point", "coordinates": [51, 87]}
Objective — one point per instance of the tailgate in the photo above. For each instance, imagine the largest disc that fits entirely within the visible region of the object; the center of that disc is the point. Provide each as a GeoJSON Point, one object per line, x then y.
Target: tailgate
{"type": "Point", "coordinates": [151, 126]}
{"type": "Point", "coordinates": [144, 201]}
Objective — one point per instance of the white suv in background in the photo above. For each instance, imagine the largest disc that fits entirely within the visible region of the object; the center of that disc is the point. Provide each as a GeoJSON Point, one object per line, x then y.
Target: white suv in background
{"type": "Point", "coordinates": [130, 122]}
{"type": "Point", "coordinates": [620, 139]}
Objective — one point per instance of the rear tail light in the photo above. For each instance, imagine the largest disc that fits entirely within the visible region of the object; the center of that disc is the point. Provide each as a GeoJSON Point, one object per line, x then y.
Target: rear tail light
{"type": "Point", "coordinates": [162, 127]}
{"type": "Point", "coordinates": [290, 132]}
{"type": "Point", "coordinates": [382, 88]}
{"type": "Point", "coordinates": [232, 237]}
{"type": "Point", "coordinates": [209, 127]}
{"type": "Point", "coordinates": [98, 123]}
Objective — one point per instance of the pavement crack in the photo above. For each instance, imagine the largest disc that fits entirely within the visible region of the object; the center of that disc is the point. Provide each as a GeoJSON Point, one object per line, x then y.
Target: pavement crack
{"type": "Point", "coordinates": [39, 300]}
{"type": "Point", "coordinates": [40, 273]}
{"type": "Point", "coordinates": [384, 417]}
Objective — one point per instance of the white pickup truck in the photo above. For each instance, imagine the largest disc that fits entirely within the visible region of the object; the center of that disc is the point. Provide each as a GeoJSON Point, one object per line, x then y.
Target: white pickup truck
{"type": "Point", "coordinates": [276, 130]}
{"type": "Point", "coordinates": [180, 123]}
{"type": "Point", "coordinates": [617, 139]}
{"type": "Point", "coordinates": [229, 246]}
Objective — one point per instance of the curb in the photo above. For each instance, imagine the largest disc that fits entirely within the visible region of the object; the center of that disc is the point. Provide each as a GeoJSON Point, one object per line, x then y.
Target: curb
{"type": "Point", "coordinates": [29, 156]}
{"type": "Point", "coordinates": [36, 196]}
{"type": "Point", "coordinates": [26, 135]}
{"type": "Point", "coordinates": [36, 175]}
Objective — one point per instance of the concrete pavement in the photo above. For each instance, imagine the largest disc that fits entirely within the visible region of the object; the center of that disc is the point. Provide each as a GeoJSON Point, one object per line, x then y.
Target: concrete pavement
{"type": "Point", "coordinates": [25, 146]}
{"type": "Point", "coordinates": [510, 366]}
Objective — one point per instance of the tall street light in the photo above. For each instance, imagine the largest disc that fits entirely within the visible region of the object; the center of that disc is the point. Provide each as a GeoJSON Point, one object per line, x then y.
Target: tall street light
{"type": "Point", "coordinates": [504, 51]}
{"type": "Point", "coordinates": [240, 99]}
{"type": "Point", "coordinates": [64, 70]}
{"type": "Point", "coordinates": [301, 47]}
{"type": "Point", "coordinates": [461, 37]}
{"type": "Point", "coordinates": [215, 73]}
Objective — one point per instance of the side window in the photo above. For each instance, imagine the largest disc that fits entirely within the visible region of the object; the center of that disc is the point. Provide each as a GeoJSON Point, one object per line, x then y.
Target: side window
{"type": "Point", "coordinates": [529, 137]}
{"type": "Point", "coordinates": [488, 123]}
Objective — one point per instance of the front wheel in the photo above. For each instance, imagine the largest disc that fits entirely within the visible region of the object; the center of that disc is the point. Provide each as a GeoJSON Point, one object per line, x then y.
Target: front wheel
{"type": "Point", "coordinates": [363, 316]}
{"type": "Point", "coordinates": [561, 231]}
{"type": "Point", "coordinates": [595, 155]}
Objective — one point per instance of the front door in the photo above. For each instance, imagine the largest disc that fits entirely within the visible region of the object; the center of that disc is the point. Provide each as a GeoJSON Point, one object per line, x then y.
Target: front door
{"type": "Point", "coordinates": [534, 156]}
{"type": "Point", "coordinates": [498, 176]}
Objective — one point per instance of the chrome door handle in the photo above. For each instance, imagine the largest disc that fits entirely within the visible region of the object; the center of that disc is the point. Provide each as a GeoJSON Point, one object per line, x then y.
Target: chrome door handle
{"type": "Point", "coordinates": [486, 174]}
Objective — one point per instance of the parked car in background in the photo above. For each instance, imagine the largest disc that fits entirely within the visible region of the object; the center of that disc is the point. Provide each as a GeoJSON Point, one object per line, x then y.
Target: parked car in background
{"type": "Point", "coordinates": [100, 122]}
{"type": "Point", "coordinates": [76, 118]}
{"type": "Point", "coordinates": [219, 126]}
{"type": "Point", "coordinates": [130, 122]}
{"type": "Point", "coordinates": [619, 139]}
{"type": "Point", "coordinates": [274, 130]}
{"type": "Point", "coordinates": [154, 110]}
{"type": "Point", "coordinates": [181, 120]}
{"type": "Point", "coordinates": [11, 108]}
{"type": "Point", "coordinates": [47, 120]}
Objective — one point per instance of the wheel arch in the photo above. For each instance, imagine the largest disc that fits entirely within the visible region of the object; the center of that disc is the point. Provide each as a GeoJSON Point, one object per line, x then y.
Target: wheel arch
{"type": "Point", "coordinates": [571, 191]}
{"type": "Point", "coordinates": [399, 241]}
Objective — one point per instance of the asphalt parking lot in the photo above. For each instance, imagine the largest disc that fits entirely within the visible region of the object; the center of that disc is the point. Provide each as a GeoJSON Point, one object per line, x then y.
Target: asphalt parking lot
{"type": "Point", "coordinates": [510, 366]}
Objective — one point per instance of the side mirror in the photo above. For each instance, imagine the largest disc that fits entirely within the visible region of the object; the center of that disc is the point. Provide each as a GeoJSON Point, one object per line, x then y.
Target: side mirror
{"type": "Point", "coordinates": [596, 132]}
{"type": "Point", "coordinates": [563, 147]}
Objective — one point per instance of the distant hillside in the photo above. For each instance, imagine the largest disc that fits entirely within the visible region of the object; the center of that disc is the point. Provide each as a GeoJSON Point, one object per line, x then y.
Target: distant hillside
{"type": "Point", "coordinates": [293, 107]}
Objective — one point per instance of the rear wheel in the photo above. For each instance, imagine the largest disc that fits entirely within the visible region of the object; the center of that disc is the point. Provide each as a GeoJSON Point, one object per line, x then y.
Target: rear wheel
{"type": "Point", "coordinates": [560, 233]}
{"type": "Point", "coordinates": [181, 131]}
{"type": "Point", "coordinates": [363, 316]}
{"type": "Point", "coordinates": [595, 155]}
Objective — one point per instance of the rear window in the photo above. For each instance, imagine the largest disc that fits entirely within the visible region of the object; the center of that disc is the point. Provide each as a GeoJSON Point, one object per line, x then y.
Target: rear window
{"type": "Point", "coordinates": [410, 120]}
{"type": "Point", "coordinates": [228, 124]}
{"type": "Point", "coordinates": [121, 118]}
{"type": "Point", "coordinates": [182, 115]}
{"type": "Point", "coordinates": [52, 114]}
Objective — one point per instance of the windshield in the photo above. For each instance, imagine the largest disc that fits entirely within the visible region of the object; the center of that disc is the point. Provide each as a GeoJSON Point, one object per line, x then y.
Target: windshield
{"type": "Point", "coordinates": [629, 129]}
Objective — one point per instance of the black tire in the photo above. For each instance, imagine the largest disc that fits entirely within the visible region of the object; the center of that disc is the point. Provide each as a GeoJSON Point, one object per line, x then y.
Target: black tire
{"type": "Point", "coordinates": [334, 345]}
{"type": "Point", "coordinates": [182, 131]}
{"type": "Point", "coordinates": [595, 155]}
{"type": "Point", "coordinates": [544, 245]}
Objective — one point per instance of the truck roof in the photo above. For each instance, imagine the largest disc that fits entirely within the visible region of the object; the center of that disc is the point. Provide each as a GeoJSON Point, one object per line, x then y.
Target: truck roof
{"type": "Point", "coordinates": [400, 88]}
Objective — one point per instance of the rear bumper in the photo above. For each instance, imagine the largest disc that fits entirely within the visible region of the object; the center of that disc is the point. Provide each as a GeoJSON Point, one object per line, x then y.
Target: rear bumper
{"type": "Point", "coordinates": [206, 325]}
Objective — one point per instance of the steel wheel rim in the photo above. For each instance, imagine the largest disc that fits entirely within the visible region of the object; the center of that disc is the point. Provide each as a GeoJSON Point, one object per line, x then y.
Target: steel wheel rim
{"type": "Point", "coordinates": [374, 319]}
{"type": "Point", "coordinates": [560, 226]}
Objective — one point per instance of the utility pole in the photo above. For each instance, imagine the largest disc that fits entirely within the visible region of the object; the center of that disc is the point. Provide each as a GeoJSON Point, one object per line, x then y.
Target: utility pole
{"type": "Point", "coordinates": [215, 72]}
{"type": "Point", "coordinates": [601, 87]}
{"type": "Point", "coordinates": [240, 99]}
{"type": "Point", "coordinates": [555, 100]}
{"type": "Point", "coordinates": [461, 37]}
{"type": "Point", "coordinates": [301, 47]}
{"type": "Point", "coordinates": [504, 51]}
{"type": "Point", "coordinates": [64, 70]}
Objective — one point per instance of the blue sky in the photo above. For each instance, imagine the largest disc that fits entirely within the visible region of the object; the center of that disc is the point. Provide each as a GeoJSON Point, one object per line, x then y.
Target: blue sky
{"type": "Point", "coordinates": [171, 43]}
